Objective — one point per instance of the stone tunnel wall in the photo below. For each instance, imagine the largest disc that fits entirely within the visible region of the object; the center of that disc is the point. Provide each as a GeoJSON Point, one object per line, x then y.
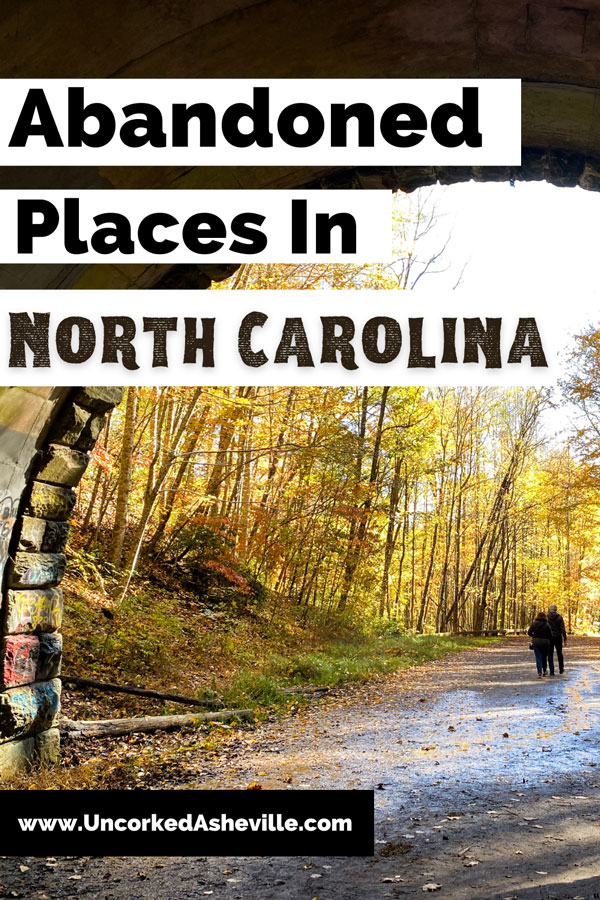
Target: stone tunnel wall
{"type": "Point", "coordinates": [46, 435]}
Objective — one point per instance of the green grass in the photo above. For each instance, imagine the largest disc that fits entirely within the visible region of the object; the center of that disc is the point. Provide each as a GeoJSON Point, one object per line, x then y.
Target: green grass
{"type": "Point", "coordinates": [159, 641]}
{"type": "Point", "coordinates": [341, 662]}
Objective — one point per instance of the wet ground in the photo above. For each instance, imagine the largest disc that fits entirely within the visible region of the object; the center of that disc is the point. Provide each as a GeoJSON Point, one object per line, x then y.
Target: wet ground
{"type": "Point", "coordinates": [486, 787]}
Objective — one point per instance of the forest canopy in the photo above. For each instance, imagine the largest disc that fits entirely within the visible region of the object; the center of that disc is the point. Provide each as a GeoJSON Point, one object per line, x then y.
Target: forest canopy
{"type": "Point", "coordinates": [441, 509]}
{"type": "Point", "coordinates": [448, 509]}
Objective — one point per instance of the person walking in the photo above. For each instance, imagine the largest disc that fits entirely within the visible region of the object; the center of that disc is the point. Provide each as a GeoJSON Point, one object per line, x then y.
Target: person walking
{"type": "Point", "coordinates": [541, 643]}
{"type": "Point", "coordinates": [559, 637]}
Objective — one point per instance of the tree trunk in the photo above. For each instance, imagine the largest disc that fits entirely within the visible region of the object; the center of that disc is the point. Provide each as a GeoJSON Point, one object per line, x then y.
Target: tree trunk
{"type": "Point", "coordinates": [115, 552]}
{"type": "Point", "coordinates": [355, 547]}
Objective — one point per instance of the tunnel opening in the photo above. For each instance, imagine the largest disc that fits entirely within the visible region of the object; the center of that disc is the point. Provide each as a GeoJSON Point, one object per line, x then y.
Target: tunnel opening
{"type": "Point", "coordinates": [47, 436]}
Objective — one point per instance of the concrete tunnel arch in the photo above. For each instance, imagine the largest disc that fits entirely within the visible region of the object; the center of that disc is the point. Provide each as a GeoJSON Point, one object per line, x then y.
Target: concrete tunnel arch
{"type": "Point", "coordinates": [46, 433]}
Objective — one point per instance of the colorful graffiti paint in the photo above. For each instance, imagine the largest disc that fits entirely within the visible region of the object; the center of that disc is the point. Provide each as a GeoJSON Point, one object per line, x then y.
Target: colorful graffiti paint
{"type": "Point", "coordinates": [33, 612]}
{"type": "Point", "coordinates": [49, 501]}
{"type": "Point", "coordinates": [20, 658]}
{"type": "Point", "coordinates": [36, 569]}
{"type": "Point", "coordinates": [27, 710]}
{"type": "Point", "coordinates": [8, 514]}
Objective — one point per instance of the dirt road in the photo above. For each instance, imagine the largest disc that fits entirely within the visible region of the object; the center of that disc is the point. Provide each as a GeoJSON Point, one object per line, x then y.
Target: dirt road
{"type": "Point", "coordinates": [486, 785]}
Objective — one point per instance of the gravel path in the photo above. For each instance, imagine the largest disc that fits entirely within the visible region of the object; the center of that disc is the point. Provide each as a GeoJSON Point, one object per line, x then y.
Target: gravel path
{"type": "Point", "coordinates": [486, 785]}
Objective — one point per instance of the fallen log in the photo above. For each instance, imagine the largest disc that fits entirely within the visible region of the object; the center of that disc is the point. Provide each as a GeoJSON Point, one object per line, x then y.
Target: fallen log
{"type": "Point", "coordinates": [137, 691]}
{"type": "Point", "coordinates": [146, 724]}
{"type": "Point", "coordinates": [109, 686]}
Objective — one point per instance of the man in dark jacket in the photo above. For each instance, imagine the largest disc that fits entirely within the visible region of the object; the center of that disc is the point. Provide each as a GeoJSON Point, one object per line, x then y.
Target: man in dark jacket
{"type": "Point", "coordinates": [559, 636]}
{"type": "Point", "coordinates": [541, 642]}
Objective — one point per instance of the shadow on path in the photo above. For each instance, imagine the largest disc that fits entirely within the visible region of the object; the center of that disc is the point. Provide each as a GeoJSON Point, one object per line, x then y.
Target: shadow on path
{"type": "Point", "coordinates": [487, 778]}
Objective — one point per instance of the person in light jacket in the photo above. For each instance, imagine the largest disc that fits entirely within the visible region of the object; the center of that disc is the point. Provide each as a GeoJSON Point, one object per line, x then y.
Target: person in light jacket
{"type": "Point", "coordinates": [559, 637]}
{"type": "Point", "coordinates": [541, 643]}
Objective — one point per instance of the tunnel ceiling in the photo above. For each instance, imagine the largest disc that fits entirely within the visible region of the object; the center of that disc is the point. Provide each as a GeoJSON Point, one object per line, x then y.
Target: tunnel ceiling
{"type": "Point", "coordinates": [553, 47]}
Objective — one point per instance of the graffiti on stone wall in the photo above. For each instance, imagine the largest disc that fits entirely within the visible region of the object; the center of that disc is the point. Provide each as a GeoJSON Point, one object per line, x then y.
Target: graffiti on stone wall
{"type": "Point", "coordinates": [27, 658]}
{"type": "Point", "coordinates": [27, 710]}
{"type": "Point", "coordinates": [20, 659]}
{"type": "Point", "coordinates": [31, 612]}
{"type": "Point", "coordinates": [8, 514]}
{"type": "Point", "coordinates": [36, 569]}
